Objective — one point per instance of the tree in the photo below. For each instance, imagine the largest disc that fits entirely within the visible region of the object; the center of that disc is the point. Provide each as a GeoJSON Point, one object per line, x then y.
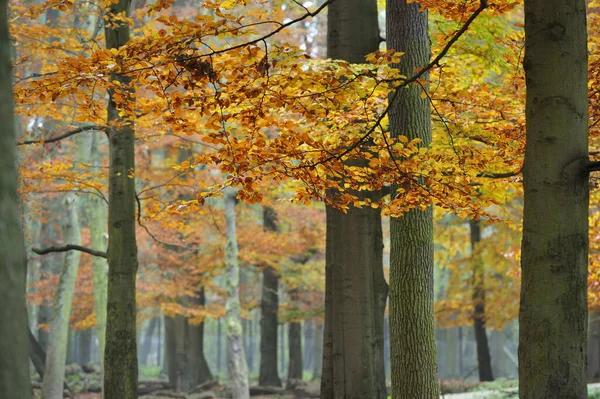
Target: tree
{"type": "Point", "coordinates": [356, 291]}
{"type": "Point", "coordinates": [14, 362]}
{"type": "Point", "coordinates": [120, 357]}
{"type": "Point", "coordinates": [269, 306]}
{"type": "Point", "coordinates": [238, 370]}
{"type": "Point", "coordinates": [412, 339]}
{"type": "Point", "coordinates": [554, 254]}
{"type": "Point", "coordinates": [484, 360]}
{"type": "Point", "coordinates": [56, 357]}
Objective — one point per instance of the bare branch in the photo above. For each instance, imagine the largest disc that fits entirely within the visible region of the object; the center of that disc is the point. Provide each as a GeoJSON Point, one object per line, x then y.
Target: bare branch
{"type": "Point", "coordinates": [65, 135]}
{"type": "Point", "coordinates": [69, 247]}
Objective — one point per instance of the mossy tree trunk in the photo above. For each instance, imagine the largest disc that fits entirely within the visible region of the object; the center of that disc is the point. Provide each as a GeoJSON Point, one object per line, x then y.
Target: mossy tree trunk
{"type": "Point", "coordinates": [238, 369]}
{"type": "Point", "coordinates": [554, 252]}
{"type": "Point", "coordinates": [356, 291]}
{"type": "Point", "coordinates": [412, 338]}
{"type": "Point", "coordinates": [120, 355]}
{"type": "Point", "coordinates": [269, 307]}
{"type": "Point", "coordinates": [14, 357]}
{"type": "Point", "coordinates": [52, 386]}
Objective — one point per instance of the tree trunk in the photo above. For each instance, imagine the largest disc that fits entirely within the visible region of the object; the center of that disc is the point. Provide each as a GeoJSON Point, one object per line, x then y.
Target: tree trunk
{"type": "Point", "coordinates": [484, 360]}
{"type": "Point", "coordinates": [451, 360]}
{"type": "Point", "coordinates": [97, 216]}
{"type": "Point", "coordinates": [295, 354]}
{"type": "Point", "coordinates": [14, 361]}
{"type": "Point", "coordinates": [238, 369]}
{"type": "Point", "coordinates": [413, 351]}
{"type": "Point", "coordinates": [307, 348]}
{"type": "Point", "coordinates": [355, 288]}
{"type": "Point", "coordinates": [120, 357]}
{"type": "Point", "coordinates": [52, 386]}
{"type": "Point", "coordinates": [317, 350]}
{"type": "Point", "coordinates": [85, 346]}
{"type": "Point", "coordinates": [554, 253]}
{"type": "Point", "coordinates": [148, 338]}
{"type": "Point", "coordinates": [269, 306]}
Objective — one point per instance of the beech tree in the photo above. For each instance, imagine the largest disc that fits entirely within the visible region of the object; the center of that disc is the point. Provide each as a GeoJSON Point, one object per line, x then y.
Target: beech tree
{"type": "Point", "coordinates": [412, 339]}
{"type": "Point", "coordinates": [14, 361]}
{"type": "Point", "coordinates": [356, 291]}
{"type": "Point", "coordinates": [554, 254]}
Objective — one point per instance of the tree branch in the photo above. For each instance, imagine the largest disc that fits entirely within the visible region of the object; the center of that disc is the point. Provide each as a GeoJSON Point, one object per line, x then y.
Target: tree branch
{"type": "Point", "coordinates": [593, 166]}
{"type": "Point", "coordinates": [69, 247]}
{"type": "Point", "coordinates": [64, 135]}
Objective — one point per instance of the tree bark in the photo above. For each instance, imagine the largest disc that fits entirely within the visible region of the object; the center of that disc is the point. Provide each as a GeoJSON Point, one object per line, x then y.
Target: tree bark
{"type": "Point", "coordinates": [238, 369]}
{"type": "Point", "coordinates": [56, 356]}
{"type": "Point", "coordinates": [295, 354]}
{"type": "Point", "coordinates": [484, 360]}
{"type": "Point", "coordinates": [269, 307]}
{"type": "Point", "coordinates": [14, 360]}
{"type": "Point", "coordinates": [412, 345]}
{"type": "Point", "coordinates": [120, 356]}
{"type": "Point", "coordinates": [355, 288]}
{"type": "Point", "coordinates": [554, 252]}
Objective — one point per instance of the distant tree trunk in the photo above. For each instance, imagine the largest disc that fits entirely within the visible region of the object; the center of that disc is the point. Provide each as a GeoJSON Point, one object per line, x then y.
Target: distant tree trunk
{"type": "Point", "coordinates": [84, 347]}
{"type": "Point", "coordinates": [52, 386]}
{"type": "Point", "coordinates": [120, 357]}
{"type": "Point", "coordinates": [307, 348]}
{"type": "Point", "coordinates": [295, 354]}
{"type": "Point", "coordinates": [451, 361]}
{"type": "Point", "coordinates": [484, 360]}
{"type": "Point", "coordinates": [356, 291]}
{"type": "Point", "coordinates": [148, 338]}
{"type": "Point", "coordinates": [238, 369]}
{"type": "Point", "coordinates": [269, 306]}
{"type": "Point", "coordinates": [97, 217]}
{"type": "Point", "coordinates": [219, 347]}
{"type": "Point", "coordinates": [554, 253]}
{"type": "Point", "coordinates": [498, 356]}
{"type": "Point", "coordinates": [317, 350]}
{"type": "Point", "coordinates": [412, 334]}
{"type": "Point", "coordinates": [14, 360]}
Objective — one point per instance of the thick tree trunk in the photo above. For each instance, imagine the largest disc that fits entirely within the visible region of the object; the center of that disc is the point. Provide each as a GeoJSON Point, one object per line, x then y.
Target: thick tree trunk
{"type": "Point", "coordinates": [269, 306]}
{"type": "Point", "coordinates": [484, 360]}
{"type": "Point", "coordinates": [355, 289]}
{"type": "Point", "coordinates": [187, 366]}
{"type": "Point", "coordinates": [120, 356]}
{"type": "Point", "coordinates": [554, 254]}
{"type": "Point", "coordinates": [238, 369]}
{"type": "Point", "coordinates": [14, 363]}
{"type": "Point", "coordinates": [413, 351]}
{"type": "Point", "coordinates": [52, 386]}
{"type": "Point", "coordinates": [295, 354]}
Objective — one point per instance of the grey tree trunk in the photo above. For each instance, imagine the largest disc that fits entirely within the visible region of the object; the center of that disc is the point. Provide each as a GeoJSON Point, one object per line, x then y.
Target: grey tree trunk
{"type": "Point", "coordinates": [52, 386]}
{"type": "Point", "coordinates": [238, 369]}
{"type": "Point", "coordinates": [120, 356]}
{"type": "Point", "coordinates": [484, 360]}
{"type": "Point", "coordinates": [317, 349]}
{"type": "Point", "coordinates": [412, 338]}
{"type": "Point", "coordinates": [84, 349]}
{"type": "Point", "coordinates": [14, 360]}
{"type": "Point", "coordinates": [269, 307]}
{"type": "Point", "coordinates": [554, 252]}
{"type": "Point", "coordinates": [295, 354]}
{"type": "Point", "coordinates": [356, 291]}
{"type": "Point", "coordinates": [148, 338]}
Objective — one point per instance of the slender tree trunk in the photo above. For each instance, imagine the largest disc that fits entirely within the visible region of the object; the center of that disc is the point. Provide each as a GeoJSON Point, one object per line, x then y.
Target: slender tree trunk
{"type": "Point", "coordinates": [148, 338]}
{"type": "Point", "coordinates": [484, 360]}
{"type": "Point", "coordinates": [413, 351]}
{"type": "Point", "coordinates": [52, 386]}
{"type": "Point", "coordinates": [238, 368]}
{"type": "Point", "coordinates": [355, 289]}
{"type": "Point", "coordinates": [14, 361]}
{"type": "Point", "coordinates": [554, 254]}
{"type": "Point", "coordinates": [269, 307]}
{"type": "Point", "coordinates": [97, 216]}
{"type": "Point", "coordinates": [307, 348]}
{"type": "Point", "coordinates": [120, 356]}
{"type": "Point", "coordinates": [295, 354]}
{"type": "Point", "coordinates": [219, 347]}
{"type": "Point", "coordinates": [317, 350]}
